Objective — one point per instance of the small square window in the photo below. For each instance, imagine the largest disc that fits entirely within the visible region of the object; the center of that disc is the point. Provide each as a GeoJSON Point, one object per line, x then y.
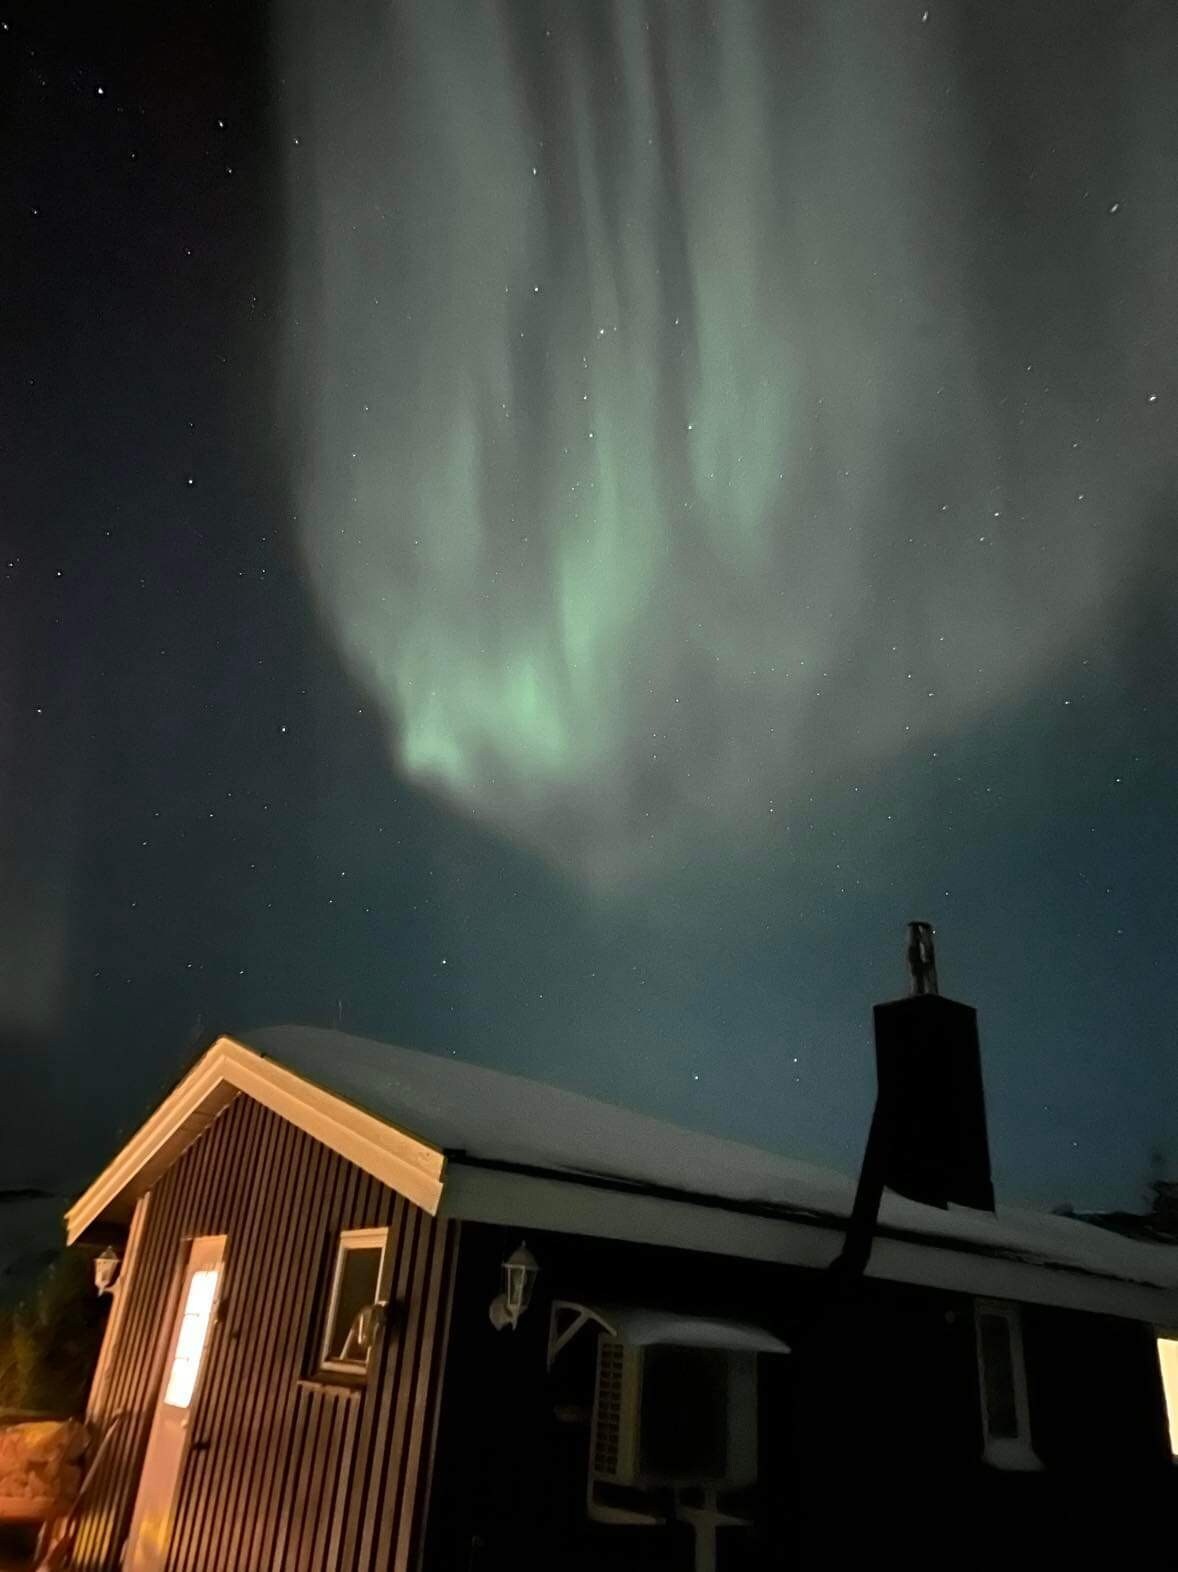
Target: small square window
{"type": "Point", "coordinates": [1006, 1424]}
{"type": "Point", "coordinates": [357, 1289]}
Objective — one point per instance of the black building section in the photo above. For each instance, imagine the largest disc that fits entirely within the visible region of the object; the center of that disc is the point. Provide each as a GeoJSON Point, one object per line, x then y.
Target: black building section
{"type": "Point", "coordinates": [466, 1322]}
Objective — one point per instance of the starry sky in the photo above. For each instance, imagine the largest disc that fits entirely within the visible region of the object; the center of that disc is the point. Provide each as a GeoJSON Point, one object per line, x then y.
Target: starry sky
{"type": "Point", "coordinates": [545, 532]}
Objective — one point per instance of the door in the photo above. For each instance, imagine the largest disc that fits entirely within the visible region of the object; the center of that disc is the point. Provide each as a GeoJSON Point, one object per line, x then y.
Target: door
{"type": "Point", "coordinates": [167, 1444]}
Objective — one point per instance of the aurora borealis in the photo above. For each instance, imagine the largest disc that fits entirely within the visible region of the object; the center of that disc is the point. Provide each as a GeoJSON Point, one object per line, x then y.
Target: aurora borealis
{"type": "Point", "coordinates": [658, 468]}
{"type": "Point", "coordinates": [547, 531]}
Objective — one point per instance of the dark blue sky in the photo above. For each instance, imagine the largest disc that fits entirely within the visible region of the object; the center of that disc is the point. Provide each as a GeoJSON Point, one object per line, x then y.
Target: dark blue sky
{"type": "Point", "coordinates": [217, 808]}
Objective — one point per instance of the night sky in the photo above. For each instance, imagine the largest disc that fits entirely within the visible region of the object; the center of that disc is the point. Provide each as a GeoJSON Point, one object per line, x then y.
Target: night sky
{"type": "Point", "coordinates": [547, 532]}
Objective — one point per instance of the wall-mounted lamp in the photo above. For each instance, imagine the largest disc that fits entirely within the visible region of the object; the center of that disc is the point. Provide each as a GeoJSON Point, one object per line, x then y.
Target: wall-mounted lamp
{"type": "Point", "coordinates": [106, 1270]}
{"type": "Point", "coordinates": [520, 1270]}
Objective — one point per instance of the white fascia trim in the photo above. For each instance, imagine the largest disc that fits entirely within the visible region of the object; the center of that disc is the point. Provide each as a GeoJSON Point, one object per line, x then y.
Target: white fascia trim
{"type": "Point", "coordinates": [405, 1163]}
{"type": "Point", "coordinates": [399, 1160]}
{"type": "Point", "coordinates": [565, 1206]}
{"type": "Point", "coordinates": [96, 1402]}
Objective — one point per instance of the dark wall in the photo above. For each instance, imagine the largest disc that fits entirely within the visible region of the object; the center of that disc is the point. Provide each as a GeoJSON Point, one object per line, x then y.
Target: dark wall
{"type": "Point", "coordinates": [886, 1430]}
{"type": "Point", "coordinates": [1099, 1424]}
{"type": "Point", "coordinates": [511, 1476]}
{"type": "Point", "coordinates": [871, 1429]}
{"type": "Point", "coordinates": [295, 1474]}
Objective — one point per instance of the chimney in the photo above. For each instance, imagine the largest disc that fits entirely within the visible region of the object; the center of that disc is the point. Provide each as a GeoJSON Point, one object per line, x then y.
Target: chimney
{"type": "Point", "coordinates": [929, 1071]}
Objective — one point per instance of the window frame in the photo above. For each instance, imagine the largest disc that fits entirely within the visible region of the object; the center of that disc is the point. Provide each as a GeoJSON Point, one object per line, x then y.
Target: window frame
{"type": "Point", "coordinates": [1017, 1452]}
{"type": "Point", "coordinates": [346, 1240]}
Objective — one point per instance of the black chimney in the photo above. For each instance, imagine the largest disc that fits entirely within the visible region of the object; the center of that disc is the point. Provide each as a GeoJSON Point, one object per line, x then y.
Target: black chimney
{"type": "Point", "coordinates": [929, 1070]}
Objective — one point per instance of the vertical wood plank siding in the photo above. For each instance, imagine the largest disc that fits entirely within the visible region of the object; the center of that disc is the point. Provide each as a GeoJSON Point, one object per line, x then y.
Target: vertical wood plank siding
{"type": "Point", "coordinates": [287, 1475]}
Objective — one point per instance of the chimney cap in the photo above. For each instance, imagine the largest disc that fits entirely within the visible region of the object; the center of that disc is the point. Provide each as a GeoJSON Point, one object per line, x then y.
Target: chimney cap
{"type": "Point", "coordinates": [922, 960]}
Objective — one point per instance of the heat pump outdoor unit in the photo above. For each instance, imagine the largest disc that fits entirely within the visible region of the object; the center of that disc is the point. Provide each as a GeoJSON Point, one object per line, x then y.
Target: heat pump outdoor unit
{"type": "Point", "coordinates": [674, 1423]}
{"type": "Point", "coordinates": [668, 1416]}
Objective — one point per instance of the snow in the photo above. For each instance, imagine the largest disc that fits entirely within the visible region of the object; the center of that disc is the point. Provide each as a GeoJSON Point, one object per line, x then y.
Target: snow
{"type": "Point", "coordinates": [458, 1107]}
{"type": "Point", "coordinates": [641, 1328]}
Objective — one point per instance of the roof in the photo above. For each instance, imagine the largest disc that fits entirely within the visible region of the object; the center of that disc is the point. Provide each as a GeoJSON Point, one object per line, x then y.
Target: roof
{"type": "Point", "coordinates": [468, 1141]}
{"type": "Point", "coordinates": [1133, 1225]}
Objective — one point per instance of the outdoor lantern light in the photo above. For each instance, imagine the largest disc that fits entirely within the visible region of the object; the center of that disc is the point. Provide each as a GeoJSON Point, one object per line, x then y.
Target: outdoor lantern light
{"type": "Point", "coordinates": [106, 1269]}
{"type": "Point", "coordinates": [519, 1278]}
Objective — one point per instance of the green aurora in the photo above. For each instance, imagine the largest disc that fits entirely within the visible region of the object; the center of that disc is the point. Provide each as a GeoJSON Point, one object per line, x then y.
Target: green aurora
{"type": "Point", "coordinates": [660, 457]}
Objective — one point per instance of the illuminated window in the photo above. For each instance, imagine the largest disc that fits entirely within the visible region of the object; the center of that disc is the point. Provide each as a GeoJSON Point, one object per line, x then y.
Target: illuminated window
{"type": "Point", "coordinates": [352, 1310]}
{"type": "Point", "coordinates": [1168, 1359]}
{"type": "Point", "coordinates": [1006, 1424]}
{"type": "Point", "coordinates": [190, 1340]}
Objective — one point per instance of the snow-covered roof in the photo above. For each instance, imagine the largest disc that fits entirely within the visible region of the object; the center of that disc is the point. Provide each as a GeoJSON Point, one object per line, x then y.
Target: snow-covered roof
{"type": "Point", "coordinates": [472, 1142]}
{"type": "Point", "coordinates": [490, 1115]}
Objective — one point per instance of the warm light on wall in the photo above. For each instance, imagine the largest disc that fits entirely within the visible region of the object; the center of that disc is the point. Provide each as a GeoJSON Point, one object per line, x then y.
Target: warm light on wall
{"type": "Point", "coordinates": [1168, 1359]}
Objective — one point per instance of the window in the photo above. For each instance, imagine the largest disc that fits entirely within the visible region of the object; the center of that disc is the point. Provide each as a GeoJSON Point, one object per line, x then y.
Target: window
{"type": "Point", "coordinates": [1168, 1359]}
{"type": "Point", "coordinates": [190, 1339]}
{"type": "Point", "coordinates": [1006, 1425]}
{"type": "Point", "coordinates": [356, 1293]}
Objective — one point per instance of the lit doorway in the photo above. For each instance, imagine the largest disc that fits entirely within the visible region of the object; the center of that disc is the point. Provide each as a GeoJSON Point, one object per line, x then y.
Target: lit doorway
{"type": "Point", "coordinates": [155, 1505]}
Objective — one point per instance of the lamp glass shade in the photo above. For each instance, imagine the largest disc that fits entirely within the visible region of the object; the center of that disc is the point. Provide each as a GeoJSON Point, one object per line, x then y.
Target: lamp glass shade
{"type": "Point", "coordinates": [106, 1269]}
{"type": "Point", "coordinates": [519, 1276]}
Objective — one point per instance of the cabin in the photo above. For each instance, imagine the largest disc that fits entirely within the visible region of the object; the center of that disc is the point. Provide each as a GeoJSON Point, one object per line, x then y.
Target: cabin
{"type": "Point", "coordinates": [380, 1309]}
